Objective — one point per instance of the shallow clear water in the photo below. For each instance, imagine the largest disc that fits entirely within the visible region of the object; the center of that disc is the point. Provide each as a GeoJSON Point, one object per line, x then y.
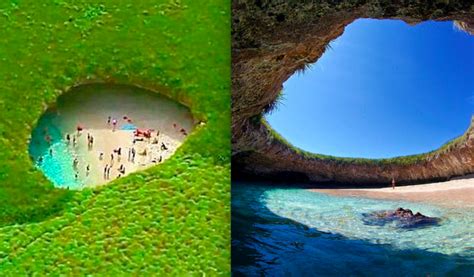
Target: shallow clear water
{"type": "Point", "coordinates": [58, 166]}
{"type": "Point", "coordinates": [90, 106]}
{"type": "Point", "coordinates": [293, 231]}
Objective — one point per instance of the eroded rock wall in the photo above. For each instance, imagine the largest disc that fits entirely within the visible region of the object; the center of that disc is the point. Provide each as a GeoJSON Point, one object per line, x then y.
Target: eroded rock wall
{"type": "Point", "coordinates": [272, 40]}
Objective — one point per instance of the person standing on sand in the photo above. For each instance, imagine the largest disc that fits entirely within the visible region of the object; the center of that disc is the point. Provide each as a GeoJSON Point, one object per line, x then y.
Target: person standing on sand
{"type": "Point", "coordinates": [68, 138]}
{"type": "Point", "coordinates": [101, 156]}
{"type": "Point", "coordinates": [133, 154]}
{"type": "Point", "coordinates": [114, 124]}
{"type": "Point", "coordinates": [87, 170]}
{"type": "Point", "coordinates": [108, 172]}
{"type": "Point", "coordinates": [393, 183]}
{"type": "Point", "coordinates": [74, 163]}
{"type": "Point", "coordinates": [105, 171]}
{"type": "Point", "coordinates": [74, 140]}
{"type": "Point", "coordinates": [50, 151]}
{"type": "Point", "coordinates": [108, 120]}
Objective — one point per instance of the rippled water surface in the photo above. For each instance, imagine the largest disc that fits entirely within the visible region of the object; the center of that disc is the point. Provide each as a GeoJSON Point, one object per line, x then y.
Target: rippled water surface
{"type": "Point", "coordinates": [293, 231]}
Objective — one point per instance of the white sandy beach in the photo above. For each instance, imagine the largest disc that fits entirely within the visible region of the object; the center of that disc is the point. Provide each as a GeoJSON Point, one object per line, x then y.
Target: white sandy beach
{"type": "Point", "coordinates": [131, 109]}
{"type": "Point", "coordinates": [458, 192]}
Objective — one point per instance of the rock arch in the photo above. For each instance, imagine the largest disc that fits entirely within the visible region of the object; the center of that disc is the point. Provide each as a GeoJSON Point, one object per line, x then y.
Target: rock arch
{"type": "Point", "coordinates": [273, 39]}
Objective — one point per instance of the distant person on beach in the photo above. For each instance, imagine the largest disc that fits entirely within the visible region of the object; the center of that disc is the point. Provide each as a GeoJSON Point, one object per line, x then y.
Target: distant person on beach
{"type": "Point", "coordinates": [40, 160]}
{"type": "Point", "coordinates": [111, 156]}
{"type": "Point", "coordinates": [122, 169]}
{"type": "Point", "coordinates": [133, 155]}
{"type": "Point", "coordinates": [87, 170]}
{"type": "Point", "coordinates": [75, 163]}
{"type": "Point", "coordinates": [163, 147]}
{"type": "Point", "coordinates": [393, 183]}
{"type": "Point", "coordinates": [101, 156]}
{"type": "Point", "coordinates": [68, 138]}
{"type": "Point", "coordinates": [79, 129]}
{"type": "Point", "coordinates": [90, 142]}
{"type": "Point", "coordinates": [114, 124]}
{"type": "Point", "coordinates": [50, 151]}
{"type": "Point", "coordinates": [74, 140]}
{"type": "Point", "coordinates": [108, 120]}
{"type": "Point", "coordinates": [108, 172]}
{"type": "Point", "coordinates": [105, 171]}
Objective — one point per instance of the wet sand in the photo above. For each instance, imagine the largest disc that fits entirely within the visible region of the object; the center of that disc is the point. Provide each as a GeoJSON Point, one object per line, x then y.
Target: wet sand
{"type": "Point", "coordinates": [454, 193]}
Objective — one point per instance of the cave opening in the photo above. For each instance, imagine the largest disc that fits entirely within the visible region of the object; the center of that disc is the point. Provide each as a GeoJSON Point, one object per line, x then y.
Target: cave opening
{"type": "Point", "coordinates": [382, 89]}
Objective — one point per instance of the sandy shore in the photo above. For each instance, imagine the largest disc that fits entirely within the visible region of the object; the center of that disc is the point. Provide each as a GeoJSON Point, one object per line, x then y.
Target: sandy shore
{"type": "Point", "coordinates": [148, 153]}
{"type": "Point", "coordinates": [454, 193]}
{"type": "Point", "coordinates": [95, 110]}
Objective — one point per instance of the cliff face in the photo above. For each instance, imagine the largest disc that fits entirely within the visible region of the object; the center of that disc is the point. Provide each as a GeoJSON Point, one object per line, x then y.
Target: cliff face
{"type": "Point", "coordinates": [274, 39]}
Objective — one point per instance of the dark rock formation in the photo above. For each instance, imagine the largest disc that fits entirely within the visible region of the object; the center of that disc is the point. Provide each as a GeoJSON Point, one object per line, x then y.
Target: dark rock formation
{"type": "Point", "coordinates": [273, 39]}
{"type": "Point", "coordinates": [403, 218]}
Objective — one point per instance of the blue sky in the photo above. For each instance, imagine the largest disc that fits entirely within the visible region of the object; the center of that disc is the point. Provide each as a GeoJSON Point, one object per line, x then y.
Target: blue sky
{"type": "Point", "coordinates": [385, 89]}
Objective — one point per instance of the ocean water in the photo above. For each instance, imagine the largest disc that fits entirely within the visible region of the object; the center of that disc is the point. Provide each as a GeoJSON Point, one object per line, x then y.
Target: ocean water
{"type": "Point", "coordinates": [57, 167]}
{"type": "Point", "coordinates": [295, 232]}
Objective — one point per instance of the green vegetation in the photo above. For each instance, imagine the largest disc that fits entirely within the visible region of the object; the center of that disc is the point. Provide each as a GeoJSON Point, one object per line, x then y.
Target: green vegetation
{"type": "Point", "coordinates": [169, 220]}
{"type": "Point", "coordinates": [402, 160]}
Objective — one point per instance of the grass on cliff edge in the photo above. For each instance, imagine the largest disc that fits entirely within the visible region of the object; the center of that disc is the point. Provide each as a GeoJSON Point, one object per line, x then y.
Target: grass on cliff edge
{"type": "Point", "coordinates": [401, 160]}
{"type": "Point", "coordinates": [169, 220]}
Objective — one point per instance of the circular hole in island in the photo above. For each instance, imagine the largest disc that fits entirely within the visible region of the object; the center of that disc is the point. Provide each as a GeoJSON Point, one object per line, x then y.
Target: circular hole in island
{"type": "Point", "coordinates": [96, 133]}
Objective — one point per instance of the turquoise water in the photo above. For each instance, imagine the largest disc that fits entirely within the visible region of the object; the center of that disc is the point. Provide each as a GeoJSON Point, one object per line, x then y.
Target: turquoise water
{"type": "Point", "coordinates": [292, 231]}
{"type": "Point", "coordinates": [91, 106]}
{"type": "Point", "coordinates": [57, 167]}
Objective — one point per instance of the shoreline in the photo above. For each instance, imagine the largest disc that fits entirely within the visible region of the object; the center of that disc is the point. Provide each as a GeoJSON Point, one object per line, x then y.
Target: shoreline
{"type": "Point", "coordinates": [110, 116]}
{"type": "Point", "coordinates": [455, 193]}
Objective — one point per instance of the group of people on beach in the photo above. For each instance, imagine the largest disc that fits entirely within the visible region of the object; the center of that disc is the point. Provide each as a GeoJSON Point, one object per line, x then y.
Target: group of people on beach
{"type": "Point", "coordinates": [139, 135]}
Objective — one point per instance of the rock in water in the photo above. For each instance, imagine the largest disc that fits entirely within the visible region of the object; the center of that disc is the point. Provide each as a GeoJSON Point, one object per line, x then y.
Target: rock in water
{"type": "Point", "coordinates": [403, 218]}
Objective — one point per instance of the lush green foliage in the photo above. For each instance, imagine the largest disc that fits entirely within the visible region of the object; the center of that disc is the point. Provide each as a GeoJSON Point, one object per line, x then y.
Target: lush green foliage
{"type": "Point", "coordinates": [402, 160]}
{"type": "Point", "coordinates": [170, 219]}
